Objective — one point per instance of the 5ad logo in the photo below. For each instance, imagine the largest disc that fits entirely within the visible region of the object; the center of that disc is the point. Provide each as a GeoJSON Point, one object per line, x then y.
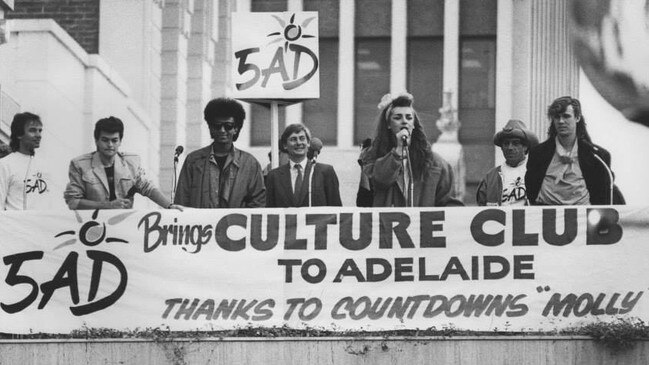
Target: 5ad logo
{"type": "Point", "coordinates": [90, 234]}
{"type": "Point", "coordinates": [260, 66]}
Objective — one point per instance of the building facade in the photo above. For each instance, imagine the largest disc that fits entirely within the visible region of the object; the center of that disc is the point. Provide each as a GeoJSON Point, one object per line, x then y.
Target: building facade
{"type": "Point", "coordinates": [495, 59]}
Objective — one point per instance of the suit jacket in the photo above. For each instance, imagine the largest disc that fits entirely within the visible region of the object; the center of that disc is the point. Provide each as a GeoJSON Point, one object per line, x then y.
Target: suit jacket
{"type": "Point", "coordinates": [88, 179]}
{"type": "Point", "coordinates": [323, 185]}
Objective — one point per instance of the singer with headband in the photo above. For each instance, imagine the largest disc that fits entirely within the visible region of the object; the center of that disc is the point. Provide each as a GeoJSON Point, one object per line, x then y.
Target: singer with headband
{"type": "Point", "coordinates": [403, 170]}
{"type": "Point", "coordinates": [303, 182]}
{"type": "Point", "coordinates": [108, 178]}
{"type": "Point", "coordinates": [221, 175]}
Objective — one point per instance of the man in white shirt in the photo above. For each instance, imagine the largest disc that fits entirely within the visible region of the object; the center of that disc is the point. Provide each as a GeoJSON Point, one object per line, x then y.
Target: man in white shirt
{"type": "Point", "coordinates": [25, 182]}
{"type": "Point", "coordinates": [505, 184]}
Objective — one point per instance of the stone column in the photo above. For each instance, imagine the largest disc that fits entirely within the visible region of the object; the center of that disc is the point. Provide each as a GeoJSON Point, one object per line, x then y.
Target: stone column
{"type": "Point", "coordinates": [200, 61]}
{"type": "Point", "coordinates": [221, 74]}
{"type": "Point", "coordinates": [452, 49]}
{"type": "Point", "coordinates": [130, 40]}
{"type": "Point", "coordinates": [554, 69]}
{"type": "Point", "coordinates": [543, 65]}
{"type": "Point", "coordinates": [176, 23]}
{"type": "Point", "coordinates": [504, 66]}
{"type": "Point", "coordinates": [448, 145]}
{"type": "Point", "coordinates": [398, 46]}
{"type": "Point", "coordinates": [346, 75]}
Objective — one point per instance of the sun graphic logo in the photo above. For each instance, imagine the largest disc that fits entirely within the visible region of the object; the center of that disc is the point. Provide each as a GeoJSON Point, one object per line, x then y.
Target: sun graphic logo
{"type": "Point", "coordinates": [105, 273]}
{"type": "Point", "coordinates": [92, 232]}
{"type": "Point", "coordinates": [265, 71]}
{"type": "Point", "coordinates": [292, 32]}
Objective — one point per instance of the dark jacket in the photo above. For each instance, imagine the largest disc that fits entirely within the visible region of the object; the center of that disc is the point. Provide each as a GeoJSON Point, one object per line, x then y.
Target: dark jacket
{"type": "Point", "coordinates": [323, 187]}
{"type": "Point", "coordinates": [244, 187]}
{"type": "Point", "coordinates": [594, 171]}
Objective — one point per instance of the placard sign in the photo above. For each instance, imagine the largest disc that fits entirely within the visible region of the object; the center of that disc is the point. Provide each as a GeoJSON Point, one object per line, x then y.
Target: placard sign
{"type": "Point", "coordinates": [336, 268]}
{"type": "Point", "coordinates": [275, 56]}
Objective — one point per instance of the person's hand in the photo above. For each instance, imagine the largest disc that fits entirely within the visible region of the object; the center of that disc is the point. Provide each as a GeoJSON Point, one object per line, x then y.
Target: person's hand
{"type": "Point", "coordinates": [120, 203]}
{"type": "Point", "coordinates": [400, 137]}
{"type": "Point", "coordinates": [176, 206]}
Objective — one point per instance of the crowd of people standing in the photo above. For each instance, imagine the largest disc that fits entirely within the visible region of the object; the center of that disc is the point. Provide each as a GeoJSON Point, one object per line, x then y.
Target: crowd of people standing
{"type": "Point", "coordinates": [398, 167]}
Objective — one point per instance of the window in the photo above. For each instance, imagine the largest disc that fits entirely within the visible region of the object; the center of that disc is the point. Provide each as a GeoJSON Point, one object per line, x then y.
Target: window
{"type": "Point", "coordinates": [372, 63]}
{"type": "Point", "coordinates": [425, 80]}
{"type": "Point", "coordinates": [477, 98]}
{"type": "Point", "coordinates": [268, 5]}
{"type": "Point", "coordinates": [320, 115]}
{"type": "Point", "coordinates": [425, 61]}
{"type": "Point", "coordinates": [372, 81]}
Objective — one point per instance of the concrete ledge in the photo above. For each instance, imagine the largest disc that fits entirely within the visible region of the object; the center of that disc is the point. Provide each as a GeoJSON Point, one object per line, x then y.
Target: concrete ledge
{"type": "Point", "coordinates": [325, 350]}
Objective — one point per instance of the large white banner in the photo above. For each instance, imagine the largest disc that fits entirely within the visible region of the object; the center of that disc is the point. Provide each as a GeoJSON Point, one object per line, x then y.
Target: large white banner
{"type": "Point", "coordinates": [275, 55]}
{"type": "Point", "coordinates": [481, 269]}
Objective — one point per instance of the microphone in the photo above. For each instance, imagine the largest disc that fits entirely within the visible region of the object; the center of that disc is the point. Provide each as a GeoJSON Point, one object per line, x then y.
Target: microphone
{"type": "Point", "coordinates": [179, 150]}
{"type": "Point", "coordinates": [314, 148]}
{"type": "Point", "coordinates": [131, 192]}
{"type": "Point", "coordinates": [404, 139]}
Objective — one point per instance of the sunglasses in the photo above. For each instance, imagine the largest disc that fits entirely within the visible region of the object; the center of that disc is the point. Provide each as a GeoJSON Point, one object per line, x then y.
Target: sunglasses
{"type": "Point", "coordinates": [226, 126]}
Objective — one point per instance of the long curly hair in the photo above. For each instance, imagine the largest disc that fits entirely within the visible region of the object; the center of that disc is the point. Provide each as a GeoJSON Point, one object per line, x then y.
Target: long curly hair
{"type": "Point", "coordinates": [558, 107]}
{"type": "Point", "coordinates": [384, 140]}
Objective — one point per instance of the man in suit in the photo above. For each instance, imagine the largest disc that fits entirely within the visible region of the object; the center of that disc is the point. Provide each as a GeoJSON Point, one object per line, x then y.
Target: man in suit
{"type": "Point", "coordinates": [301, 182]}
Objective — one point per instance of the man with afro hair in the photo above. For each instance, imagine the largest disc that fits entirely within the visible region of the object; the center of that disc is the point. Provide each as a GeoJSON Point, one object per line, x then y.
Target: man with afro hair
{"type": "Point", "coordinates": [221, 175]}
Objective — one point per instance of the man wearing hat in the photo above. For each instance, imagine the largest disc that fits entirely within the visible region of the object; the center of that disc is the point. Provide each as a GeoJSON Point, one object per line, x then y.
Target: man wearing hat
{"type": "Point", "coordinates": [505, 184]}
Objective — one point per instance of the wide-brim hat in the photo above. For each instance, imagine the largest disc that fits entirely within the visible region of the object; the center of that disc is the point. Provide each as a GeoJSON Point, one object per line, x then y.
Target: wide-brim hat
{"type": "Point", "coordinates": [516, 129]}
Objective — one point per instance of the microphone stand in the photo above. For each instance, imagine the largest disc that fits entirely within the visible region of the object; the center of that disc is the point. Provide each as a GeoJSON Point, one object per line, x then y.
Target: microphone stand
{"type": "Point", "coordinates": [610, 177]}
{"type": "Point", "coordinates": [405, 154]}
{"type": "Point", "coordinates": [608, 171]}
{"type": "Point", "coordinates": [173, 183]}
{"type": "Point", "coordinates": [310, 185]}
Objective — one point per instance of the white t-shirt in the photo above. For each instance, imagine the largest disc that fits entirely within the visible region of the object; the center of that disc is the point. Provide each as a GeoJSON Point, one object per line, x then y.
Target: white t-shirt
{"type": "Point", "coordinates": [514, 192]}
{"type": "Point", "coordinates": [26, 183]}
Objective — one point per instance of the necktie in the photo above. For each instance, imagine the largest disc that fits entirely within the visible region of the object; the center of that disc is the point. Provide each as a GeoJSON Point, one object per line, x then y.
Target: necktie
{"type": "Point", "coordinates": [298, 180]}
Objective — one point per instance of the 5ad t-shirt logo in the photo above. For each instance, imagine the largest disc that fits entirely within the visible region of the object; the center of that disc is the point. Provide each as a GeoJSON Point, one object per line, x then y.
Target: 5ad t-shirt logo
{"type": "Point", "coordinates": [36, 184]}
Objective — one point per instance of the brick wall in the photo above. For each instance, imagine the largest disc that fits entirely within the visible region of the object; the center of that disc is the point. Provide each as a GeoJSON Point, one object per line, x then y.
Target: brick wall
{"type": "Point", "coordinates": [80, 18]}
